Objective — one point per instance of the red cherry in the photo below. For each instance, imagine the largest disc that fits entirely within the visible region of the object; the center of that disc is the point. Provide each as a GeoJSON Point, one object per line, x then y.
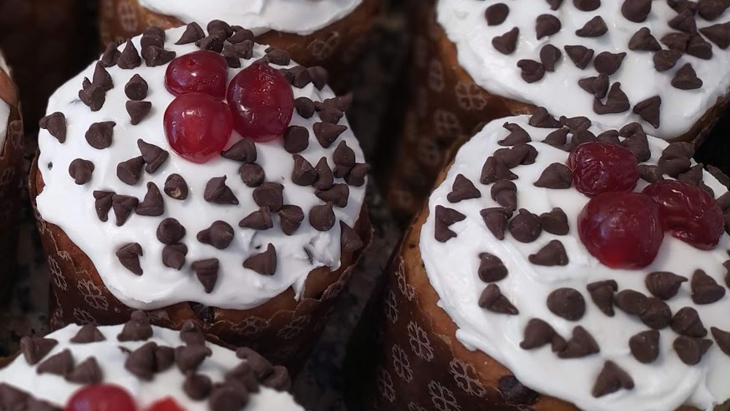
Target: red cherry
{"type": "Point", "coordinates": [622, 230]}
{"type": "Point", "coordinates": [691, 214]}
{"type": "Point", "coordinates": [101, 397]}
{"type": "Point", "coordinates": [601, 168]}
{"type": "Point", "coordinates": [168, 404]}
{"type": "Point", "coordinates": [199, 72]}
{"type": "Point", "coordinates": [261, 101]}
{"type": "Point", "coordinates": [198, 126]}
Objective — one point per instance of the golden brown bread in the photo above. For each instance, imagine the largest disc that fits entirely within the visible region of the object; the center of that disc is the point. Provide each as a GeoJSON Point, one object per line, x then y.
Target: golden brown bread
{"type": "Point", "coordinates": [283, 329]}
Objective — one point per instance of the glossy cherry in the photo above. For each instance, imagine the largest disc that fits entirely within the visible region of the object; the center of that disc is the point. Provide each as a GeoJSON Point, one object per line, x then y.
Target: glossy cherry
{"type": "Point", "coordinates": [261, 101]}
{"type": "Point", "coordinates": [198, 72]}
{"type": "Point", "coordinates": [622, 230]}
{"type": "Point", "coordinates": [691, 214]}
{"type": "Point", "coordinates": [101, 397]}
{"type": "Point", "coordinates": [602, 167]}
{"type": "Point", "coordinates": [198, 126]}
{"type": "Point", "coordinates": [167, 404]}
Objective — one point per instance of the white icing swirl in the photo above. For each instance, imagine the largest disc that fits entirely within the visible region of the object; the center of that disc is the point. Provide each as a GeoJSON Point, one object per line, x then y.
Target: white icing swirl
{"type": "Point", "coordinates": [56, 390]}
{"type": "Point", "coordinates": [71, 206]}
{"type": "Point", "coordinates": [452, 268]}
{"type": "Point", "coordinates": [288, 16]}
{"type": "Point", "coordinates": [465, 25]}
{"type": "Point", "coordinates": [4, 108]}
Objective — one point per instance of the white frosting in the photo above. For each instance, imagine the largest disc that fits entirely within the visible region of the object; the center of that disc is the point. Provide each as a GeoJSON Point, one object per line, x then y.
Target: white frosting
{"type": "Point", "coordinates": [4, 108]}
{"type": "Point", "coordinates": [452, 270]}
{"type": "Point", "coordinates": [289, 16]}
{"type": "Point", "coordinates": [71, 206]}
{"type": "Point", "coordinates": [467, 27]}
{"type": "Point", "coordinates": [56, 390]}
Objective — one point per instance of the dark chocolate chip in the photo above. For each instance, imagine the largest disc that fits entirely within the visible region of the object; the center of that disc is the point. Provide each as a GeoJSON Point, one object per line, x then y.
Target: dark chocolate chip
{"type": "Point", "coordinates": [193, 32]}
{"type": "Point", "coordinates": [88, 333]}
{"type": "Point", "coordinates": [722, 338]}
{"type": "Point", "coordinates": [691, 350]}
{"type": "Point", "coordinates": [462, 189]}
{"type": "Point", "coordinates": [597, 85]}
{"type": "Point", "coordinates": [58, 364]}
{"type": "Point", "coordinates": [304, 106]}
{"type": "Point", "coordinates": [616, 101]}
{"type": "Point", "coordinates": [555, 222]}
{"type": "Point", "coordinates": [331, 115]}
{"type": "Point", "coordinates": [338, 195]}
{"type": "Point", "coordinates": [80, 170]}
{"type": "Point", "coordinates": [344, 159]}
{"type": "Point", "coordinates": [546, 25]}
{"type": "Point", "coordinates": [511, 389]}
{"type": "Point", "coordinates": [258, 220]}
{"type": "Point", "coordinates": [538, 333]}
{"type": "Point", "coordinates": [602, 295]}
{"type": "Point", "coordinates": [290, 218]}
{"type": "Point", "coordinates": [632, 302]}
{"type": "Point", "coordinates": [301, 76]}
{"type": "Point", "coordinates": [131, 170]}
{"type": "Point", "coordinates": [243, 151]}
{"type": "Point", "coordinates": [173, 255]}
{"type": "Point", "coordinates": [648, 110]}
{"type": "Point", "coordinates": [149, 40]}
{"type": "Point", "coordinates": [129, 59]}
{"type": "Point", "coordinates": [676, 41]}
{"type": "Point", "coordinates": [261, 367]}
{"type": "Point", "coordinates": [278, 380]}
{"type": "Point", "coordinates": [220, 28]}
{"type": "Point", "coordinates": [580, 55]}
{"type": "Point", "coordinates": [699, 48]}
{"type": "Point", "coordinates": [711, 9]}
{"type": "Point", "coordinates": [157, 56]}
{"type": "Point", "coordinates": [170, 231]}
{"type": "Point", "coordinates": [541, 118]}
{"type": "Point", "coordinates": [666, 59]}
{"type": "Point", "coordinates": [141, 362]}
{"type": "Point", "coordinates": [552, 254]}
{"type": "Point", "coordinates": [153, 155]}
{"type": "Point", "coordinates": [587, 5]}
{"type": "Point", "coordinates": [219, 235]}
{"type": "Point", "coordinates": [102, 77]}
{"type": "Point", "coordinates": [693, 175]}
{"type": "Point", "coordinates": [658, 315]}
{"type": "Point", "coordinates": [525, 226]}
{"type": "Point", "coordinates": [507, 42]}
{"type": "Point", "coordinates": [241, 36]}
{"type": "Point", "coordinates": [496, 14]}
{"type": "Point", "coordinates": [555, 176]}
{"type": "Point", "coordinates": [263, 263]}
{"type": "Point", "coordinates": [99, 135]}
{"type": "Point", "coordinates": [663, 284]}
{"type": "Point", "coordinates": [674, 166]}
{"type": "Point", "coordinates": [645, 346]}
{"type": "Point", "coordinates": [350, 240]}
{"type": "Point", "coordinates": [557, 138]}
{"type": "Point", "coordinates": [110, 56]}
{"type": "Point", "coordinates": [636, 10]}
{"type": "Point", "coordinates": [494, 171]}
{"type": "Point", "coordinates": [319, 76]}
{"type": "Point", "coordinates": [296, 139]}
{"type": "Point", "coordinates": [549, 56]}
{"type": "Point", "coordinates": [495, 219]}
{"type": "Point", "coordinates": [197, 386]}
{"type": "Point", "coordinates": [93, 96]}
{"type": "Point", "coordinates": [532, 71]}
{"type": "Point", "coordinates": [595, 27]}
{"type": "Point", "coordinates": [102, 204]}
{"type": "Point", "coordinates": [609, 136]}
{"type": "Point", "coordinates": [176, 187]}
{"type": "Point", "coordinates": [207, 273]}
{"type": "Point", "coordinates": [123, 207]}
{"type": "Point", "coordinates": [138, 110]}
{"type": "Point", "coordinates": [34, 349]}
{"type": "Point", "coordinates": [519, 154]}
{"type": "Point", "coordinates": [581, 344]}
{"type": "Point", "coordinates": [576, 124]}
{"type": "Point", "coordinates": [303, 173]}
{"type": "Point", "coordinates": [687, 322]}
{"type": "Point", "coordinates": [211, 42]}
{"type": "Point", "coordinates": [87, 372]}
{"type": "Point", "coordinates": [684, 21]}
{"type": "Point", "coordinates": [190, 357]}
{"type": "Point", "coordinates": [269, 195]}
{"type": "Point", "coordinates": [325, 177]}
{"type": "Point", "coordinates": [493, 300]}
{"type": "Point", "coordinates": [138, 328]}
{"type": "Point", "coordinates": [228, 397]}
{"type": "Point", "coordinates": [554, 4]}
{"type": "Point", "coordinates": [567, 303]}
{"type": "Point", "coordinates": [583, 136]}
{"type": "Point", "coordinates": [642, 40]}
{"type": "Point", "coordinates": [192, 334]}
{"type": "Point", "coordinates": [231, 55]}
{"type": "Point", "coordinates": [718, 34]}
{"type": "Point", "coordinates": [705, 290]}
{"type": "Point", "coordinates": [608, 63]}
{"type": "Point", "coordinates": [253, 175]}
{"type": "Point", "coordinates": [55, 124]}
{"type": "Point", "coordinates": [491, 268]}
{"type": "Point", "coordinates": [217, 192]}
{"type": "Point", "coordinates": [327, 133]}
{"type": "Point", "coordinates": [504, 192]}
{"type": "Point", "coordinates": [136, 88]}
{"type": "Point", "coordinates": [153, 204]}
{"type": "Point", "coordinates": [322, 217]}
{"type": "Point", "coordinates": [611, 379]}
{"type": "Point", "coordinates": [517, 135]}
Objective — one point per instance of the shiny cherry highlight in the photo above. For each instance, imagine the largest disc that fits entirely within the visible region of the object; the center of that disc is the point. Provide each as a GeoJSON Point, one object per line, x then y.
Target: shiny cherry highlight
{"type": "Point", "coordinates": [198, 126]}
{"type": "Point", "coordinates": [198, 72]}
{"type": "Point", "coordinates": [261, 101]}
{"type": "Point", "coordinates": [602, 168]}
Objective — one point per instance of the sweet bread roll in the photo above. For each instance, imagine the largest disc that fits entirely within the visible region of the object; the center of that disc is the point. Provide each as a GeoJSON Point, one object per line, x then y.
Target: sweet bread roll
{"type": "Point", "coordinates": [551, 271]}
{"type": "Point", "coordinates": [658, 64]}
{"type": "Point", "coordinates": [244, 213]}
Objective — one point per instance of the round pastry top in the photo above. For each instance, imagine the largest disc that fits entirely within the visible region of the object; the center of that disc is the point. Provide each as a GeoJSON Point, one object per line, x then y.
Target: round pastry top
{"type": "Point", "coordinates": [615, 62]}
{"type": "Point", "coordinates": [523, 287]}
{"type": "Point", "coordinates": [232, 232]}
{"type": "Point", "coordinates": [150, 363]}
{"type": "Point", "coordinates": [298, 16]}
{"type": "Point", "coordinates": [4, 107]}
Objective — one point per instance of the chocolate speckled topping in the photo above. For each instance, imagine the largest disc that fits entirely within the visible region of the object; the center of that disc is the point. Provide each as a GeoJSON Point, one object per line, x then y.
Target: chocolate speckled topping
{"type": "Point", "coordinates": [141, 359]}
{"type": "Point", "coordinates": [255, 209]}
{"type": "Point", "coordinates": [501, 248]}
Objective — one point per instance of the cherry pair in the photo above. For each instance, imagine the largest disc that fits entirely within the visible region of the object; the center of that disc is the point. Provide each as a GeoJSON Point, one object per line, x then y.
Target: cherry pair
{"type": "Point", "coordinates": [108, 397]}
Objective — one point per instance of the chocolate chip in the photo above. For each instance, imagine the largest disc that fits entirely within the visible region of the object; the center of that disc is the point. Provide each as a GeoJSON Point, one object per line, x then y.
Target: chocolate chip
{"type": "Point", "coordinates": [595, 27]}
{"type": "Point", "coordinates": [331, 115]}
{"type": "Point", "coordinates": [555, 176]}
{"type": "Point", "coordinates": [674, 166]}
{"type": "Point", "coordinates": [290, 218]}
{"type": "Point", "coordinates": [602, 295]}
{"type": "Point", "coordinates": [231, 55]}
{"type": "Point", "coordinates": [131, 170]}
{"type": "Point", "coordinates": [58, 364]}
{"type": "Point", "coordinates": [88, 372]}
{"type": "Point", "coordinates": [587, 5]}
{"type": "Point", "coordinates": [555, 4]}
{"type": "Point", "coordinates": [679, 149]}
{"type": "Point", "coordinates": [153, 204]}
{"type": "Point", "coordinates": [102, 77]}
{"type": "Point", "coordinates": [616, 101]}
{"type": "Point", "coordinates": [220, 28]}
{"type": "Point", "coordinates": [552, 254]}
{"type": "Point", "coordinates": [243, 151]}
{"type": "Point", "coordinates": [718, 34]}
{"type": "Point", "coordinates": [682, 5]}
{"type": "Point", "coordinates": [517, 135]}
{"type": "Point", "coordinates": [691, 350]}
{"type": "Point", "coordinates": [190, 357]}
{"type": "Point", "coordinates": [99, 135]}
{"type": "Point", "coordinates": [110, 56]}
{"type": "Point", "coordinates": [692, 176]}
{"type": "Point", "coordinates": [491, 268]}
{"type": "Point", "coordinates": [567, 303]}
{"type": "Point", "coordinates": [253, 175]}
{"type": "Point", "coordinates": [609, 136]}
{"type": "Point", "coordinates": [241, 36]}
{"type": "Point", "coordinates": [580, 55]}
{"type": "Point", "coordinates": [263, 263]}
{"type": "Point", "coordinates": [197, 386]}
{"type": "Point", "coordinates": [129, 59]}
{"type": "Point", "coordinates": [34, 349]}
{"type": "Point", "coordinates": [632, 302]}
{"type": "Point", "coordinates": [176, 187]}
{"type": "Point", "coordinates": [541, 118]}
{"type": "Point", "coordinates": [149, 40]}
{"type": "Point", "coordinates": [549, 56]}
{"type": "Point", "coordinates": [581, 344]}
{"type": "Point", "coordinates": [576, 124]}
{"type": "Point", "coordinates": [260, 366]}
{"type": "Point", "coordinates": [684, 21]}
{"type": "Point", "coordinates": [597, 85]}
{"type": "Point", "coordinates": [338, 195]}
{"type": "Point", "coordinates": [207, 273]}
{"type": "Point", "coordinates": [507, 42]}
{"type": "Point", "coordinates": [325, 177]}
{"type": "Point", "coordinates": [699, 48]}
{"type": "Point", "coordinates": [93, 96]}
{"type": "Point", "coordinates": [192, 334]}
{"type": "Point", "coordinates": [173, 255]}
{"type": "Point", "coordinates": [636, 10]}
{"type": "Point", "coordinates": [300, 75]}
{"type": "Point", "coordinates": [504, 192]}
{"type": "Point", "coordinates": [555, 222]}
{"type": "Point", "coordinates": [303, 173]}
{"type": "Point", "coordinates": [711, 9]}
{"type": "Point", "coordinates": [519, 154]}
{"type": "Point", "coordinates": [344, 159]}
{"type": "Point", "coordinates": [496, 14]}
{"type": "Point", "coordinates": [495, 219]}
{"type": "Point", "coordinates": [102, 204]}
{"type": "Point", "coordinates": [138, 328]}
{"type": "Point", "coordinates": [687, 322]}
{"type": "Point", "coordinates": [494, 171]}
{"type": "Point", "coordinates": [525, 226]}
{"type": "Point", "coordinates": [546, 25]}
{"type": "Point", "coordinates": [658, 315]}
{"type": "Point", "coordinates": [153, 155]}
{"type": "Point", "coordinates": [532, 71]}
{"type": "Point", "coordinates": [511, 389]}
{"type": "Point", "coordinates": [305, 107]}
{"type": "Point", "coordinates": [211, 42]}
{"type": "Point", "coordinates": [138, 110]}
{"type": "Point", "coordinates": [55, 124]}
{"type": "Point", "coordinates": [611, 379]}
{"type": "Point", "coordinates": [296, 139]}
{"type": "Point", "coordinates": [642, 40]}
{"type": "Point", "coordinates": [88, 333]}
{"type": "Point", "coordinates": [269, 195]}
{"type": "Point", "coordinates": [170, 231]}
{"type": "Point", "coordinates": [80, 170]}
{"type": "Point", "coordinates": [636, 141]}
{"type": "Point", "coordinates": [722, 338]}
{"type": "Point", "coordinates": [136, 88]}
{"type": "Point", "coordinates": [493, 300]}
{"type": "Point", "coordinates": [319, 76]}
{"type": "Point", "coordinates": [676, 41]}
{"type": "Point", "coordinates": [219, 235]}
{"type": "Point", "coordinates": [462, 189]}
{"type": "Point", "coordinates": [193, 32]}
{"type": "Point", "coordinates": [608, 63]}
{"type": "Point", "coordinates": [217, 192]}
{"type": "Point", "coordinates": [648, 110]}
{"type": "Point", "coordinates": [650, 173]}
{"type": "Point", "coordinates": [583, 136]}
{"type": "Point", "coordinates": [538, 333]}
{"type": "Point", "coordinates": [141, 362]}
{"type": "Point", "coordinates": [645, 346]}
{"type": "Point", "coordinates": [663, 284]}
{"type": "Point", "coordinates": [258, 220]}
{"type": "Point", "coordinates": [123, 207]}
{"type": "Point", "coordinates": [327, 133]}
{"type": "Point", "coordinates": [157, 56]}
{"type": "Point", "coordinates": [557, 138]}
{"type": "Point", "coordinates": [228, 397]}
{"type": "Point", "coordinates": [705, 290]}
{"type": "Point", "coordinates": [322, 217]}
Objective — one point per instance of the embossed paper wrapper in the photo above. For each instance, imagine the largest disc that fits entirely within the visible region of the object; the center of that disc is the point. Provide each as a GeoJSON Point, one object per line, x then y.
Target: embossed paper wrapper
{"type": "Point", "coordinates": [336, 47]}
{"type": "Point", "coordinates": [445, 103]}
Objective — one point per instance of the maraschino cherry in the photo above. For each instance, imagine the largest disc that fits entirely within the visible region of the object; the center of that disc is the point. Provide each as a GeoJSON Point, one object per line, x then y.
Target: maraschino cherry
{"type": "Point", "coordinates": [101, 397]}
{"type": "Point", "coordinates": [602, 168]}
{"type": "Point", "coordinates": [199, 72]}
{"type": "Point", "coordinates": [198, 126]}
{"type": "Point", "coordinates": [167, 404]}
{"type": "Point", "coordinates": [691, 214]}
{"type": "Point", "coordinates": [261, 101]}
{"type": "Point", "coordinates": [622, 230]}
